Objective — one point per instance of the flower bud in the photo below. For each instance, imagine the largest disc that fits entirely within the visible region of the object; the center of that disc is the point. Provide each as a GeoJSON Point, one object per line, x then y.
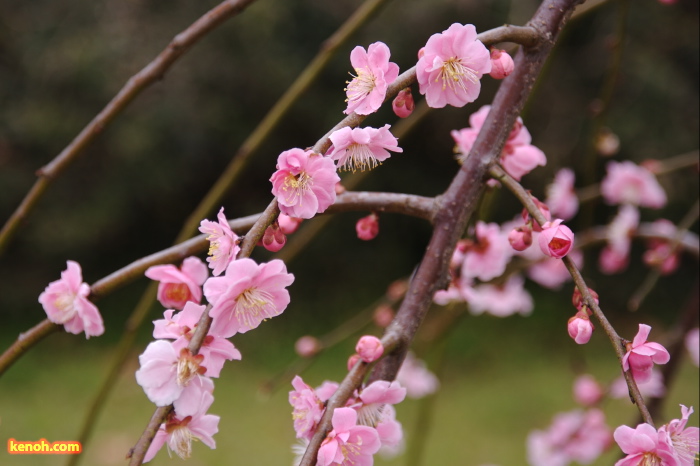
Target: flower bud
{"type": "Point", "coordinates": [273, 239]}
{"type": "Point", "coordinates": [520, 238]}
{"type": "Point", "coordinates": [501, 64]}
{"type": "Point", "coordinates": [288, 224]}
{"type": "Point", "coordinates": [383, 315]}
{"type": "Point", "coordinates": [352, 360]}
{"type": "Point", "coordinates": [307, 346]}
{"type": "Point", "coordinates": [403, 104]}
{"type": "Point", "coordinates": [580, 328]}
{"type": "Point", "coordinates": [369, 348]}
{"type": "Point", "coordinates": [587, 391]}
{"type": "Point", "coordinates": [556, 240]}
{"type": "Point", "coordinates": [367, 227]}
{"type": "Point", "coordinates": [577, 298]}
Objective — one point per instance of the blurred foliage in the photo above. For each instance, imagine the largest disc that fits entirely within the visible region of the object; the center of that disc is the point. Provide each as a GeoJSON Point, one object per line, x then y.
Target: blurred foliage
{"type": "Point", "coordinates": [128, 194]}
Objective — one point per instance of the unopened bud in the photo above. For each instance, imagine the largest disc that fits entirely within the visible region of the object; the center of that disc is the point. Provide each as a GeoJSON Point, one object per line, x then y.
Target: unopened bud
{"type": "Point", "coordinates": [403, 104]}
{"type": "Point", "coordinates": [501, 64]}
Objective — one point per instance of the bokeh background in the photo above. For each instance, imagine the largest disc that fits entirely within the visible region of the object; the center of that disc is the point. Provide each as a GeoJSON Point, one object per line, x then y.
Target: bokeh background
{"type": "Point", "coordinates": [129, 193]}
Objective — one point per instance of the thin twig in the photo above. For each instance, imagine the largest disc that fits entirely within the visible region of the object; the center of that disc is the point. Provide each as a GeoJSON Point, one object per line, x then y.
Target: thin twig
{"type": "Point", "coordinates": [151, 73]}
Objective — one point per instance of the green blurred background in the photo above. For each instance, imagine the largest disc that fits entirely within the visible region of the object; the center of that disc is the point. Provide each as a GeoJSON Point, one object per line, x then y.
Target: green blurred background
{"type": "Point", "coordinates": [127, 196]}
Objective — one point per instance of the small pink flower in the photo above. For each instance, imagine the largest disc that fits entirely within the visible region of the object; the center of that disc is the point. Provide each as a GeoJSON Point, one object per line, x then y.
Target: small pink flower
{"type": "Point", "coordinates": [614, 257]}
{"type": "Point", "coordinates": [166, 372]}
{"type": "Point", "coordinates": [304, 183]}
{"type": "Point", "coordinates": [518, 157]}
{"type": "Point", "coordinates": [178, 432]}
{"type": "Point", "coordinates": [179, 286]}
{"type": "Point", "coordinates": [353, 360]}
{"type": "Point", "coordinates": [308, 408]}
{"type": "Point", "coordinates": [348, 444]}
{"type": "Point", "coordinates": [520, 238]}
{"type": "Point", "coordinates": [246, 295]}
{"type": "Point", "coordinates": [627, 183]}
{"type": "Point", "coordinates": [367, 228]}
{"type": "Point", "coordinates": [375, 72]}
{"type": "Point", "coordinates": [641, 355]}
{"type": "Point", "coordinates": [362, 148]}
{"type": "Point", "coordinates": [223, 243]}
{"type": "Point", "coordinates": [500, 300]}
{"type": "Point", "coordinates": [374, 397]}
{"type": "Point", "coordinates": [556, 240]}
{"type": "Point", "coordinates": [369, 348]}
{"type": "Point", "coordinates": [659, 253]}
{"type": "Point", "coordinates": [416, 378]}
{"type": "Point", "coordinates": [552, 273]}
{"type": "Point", "coordinates": [692, 344]}
{"type": "Point", "coordinates": [390, 432]}
{"type": "Point", "coordinates": [580, 327]}
{"type": "Point", "coordinates": [307, 346]}
{"type": "Point", "coordinates": [684, 440]}
{"type": "Point", "coordinates": [587, 390]}
{"type": "Point", "coordinates": [403, 104]}
{"type": "Point", "coordinates": [501, 64]}
{"type": "Point", "coordinates": [643, 446]}
{"type": "Point", "coordinates": [578, 301]}
{"type": "Point", "coordinates": [451, 65]}
{"type": "Point", "coordinates": [486, 257]}
{"type": "Point", "coordinates": [65, 302]}
{"type": "Point", "coordinates": [561, 197]}
{"type": "Point", "coordinates": [273, 239]}
{"type": "Point", "coordinates": [288, 224]}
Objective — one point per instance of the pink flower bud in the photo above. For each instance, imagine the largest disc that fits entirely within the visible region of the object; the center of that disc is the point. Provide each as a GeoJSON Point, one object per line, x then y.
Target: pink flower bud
{"type": "Point", "coordinates": [369, 348]}
{"type": "Point", "coordinates": [556, 240]}
{"type": "Point", "coordinates": [383, 315]}
{"type": "Point", "coordinates": [577, 298]}
{"type": "Point", "coordinates": [501, 64]}
{"type": "Point", "coordinates": [307, 346]}
{"type": "Point", "coordinates": [367, 227]}
{"type": "Point", "coordinates": [288, 224]}
{"type": "Point", "coordinates": [580, 328]}
{"type": "Point", "coordinates": [587, 391]}
{"type": "Point", "coordinates": [339, 188]}
{"type": "Point", "coordinates": [352, 360]}
{"type": "Point", "coordinates": [273, 239]}
{"type": "Point", "coordinates": [403, 104]}
{"type": "Point", "coordinates": [543, 208]}
{"type": "Point", "coordinates": [520, 238]}
{"type": "Point", "coordinates": [397, 289]}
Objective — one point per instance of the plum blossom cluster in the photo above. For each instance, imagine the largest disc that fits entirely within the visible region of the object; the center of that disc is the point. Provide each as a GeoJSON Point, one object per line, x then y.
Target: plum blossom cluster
{"type": "Point", "coordinates": [241, 294]}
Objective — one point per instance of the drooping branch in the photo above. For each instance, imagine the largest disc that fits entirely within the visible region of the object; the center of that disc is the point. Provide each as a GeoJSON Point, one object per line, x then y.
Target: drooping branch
{"type": "Point", "coordinates": [151, 73]}
{"type": "Point", "coordinates": [617, 342]}
{"type": "Point", "coordinates": [455, 207]}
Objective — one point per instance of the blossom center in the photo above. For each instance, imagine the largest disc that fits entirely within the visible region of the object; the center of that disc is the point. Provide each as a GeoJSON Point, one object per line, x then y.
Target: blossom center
{"type": "Point", "coordinates": [650, 459]}
{"type": "Point", "coordinates": [250, 304]}
{"type": "Point", "coordinates": [295, 186]}
{"type": "Point", "coordinates": [188, 366]}
{"type": "Point", "coordinates": [685, 446]}
{"type": "Point", "coordinates": [177, 292]}
{"type": "Point", "coordinates": [454, 74]}
{"type": "Point", "coordinates": [65, 302]}
{"type": "Point", "coordinates": [181, 441]}
{"type": "Point", "coordinates": [360, 86]}
{"type": "Point", "coordinates": [359, 157]}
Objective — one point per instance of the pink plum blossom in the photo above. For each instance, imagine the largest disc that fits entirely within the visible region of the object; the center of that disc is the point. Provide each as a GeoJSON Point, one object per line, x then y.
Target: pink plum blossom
{"type": "Point", "coordinates": [614, 257]}
{"type": "Point", "coordinates": [374, 397]}
{"type": "Point", "coordinates": [486, 257]}
{"type": "Point", "coordinates": [367, 228]}
{"type": "Point", "coordinates": [348, 444]}
{"type": "Point", "coordinates": [166, 372]}
{"type": "Point", "coordinates": [308, 408]}
{"type": "Point", "coordinates": [179, 286]}
{"type": "Point", "coordinates": [580, 327]}
{"type": "Point", "coordinates": [416, 378]}
{"type": "Point", "coordinates": [362, 148]}
{"type": "Point", "coordinates": [684, 440]}
{"type": "Point", "coordinates": [304, 183]}
{"type": "Point", "coordinates": [65, 302]}
{"type": "Point", "coordinates": [552, 273]}
{"type": "Point", "coordinates": [628, 183]}
{"type": "Point", "coordinates": [644, 446]}
{"type": "Point", "coordinates": [375, 72]}
{"type": "Point", "coordinates": [500, 300]}
{"type": "Point", "coordinates": [561, 197]}
{"type": "Point", "coordinates": [390, 432]}
{"type": "Point", "coordinates": [518, 157]}
{"type": "Point", "coordinates": [659, 253]}
{"type": "Point", "coordinates": [369, 348]}
{"type": "Point", "coordinates": [223, 242]}
{"type": "Point", "coordinates": [520, 238]}
{"type": "Point", "coordinates": [307, 346]}
{"type": "Point", "coordinates": [653, 387]}
{"type": "Point", "coordinates": [641, 355]}
{"type": "Point", "coordinates": [403, 103]}
{"type": "Point", "coordinates": [501, 64]}
{"type": "Point", "coordinates": [692, 344]}
{"type": "Point", "coordinates": [246, 295]}
{"type": "Point", "coordinates": [580, 436]}
{"type": "Point", "coordinates": [587, 390]}
{"type": "Point", "coordinates": [556, 240]}
{"type": "Point", "coordinates": [451, 65]}
{"type": "Point", "coordinates": [178, 431]}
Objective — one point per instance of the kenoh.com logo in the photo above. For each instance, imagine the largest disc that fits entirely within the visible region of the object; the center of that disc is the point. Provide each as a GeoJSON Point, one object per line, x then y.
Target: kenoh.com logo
{"type": "Point", "coordinates": [43, 447]}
